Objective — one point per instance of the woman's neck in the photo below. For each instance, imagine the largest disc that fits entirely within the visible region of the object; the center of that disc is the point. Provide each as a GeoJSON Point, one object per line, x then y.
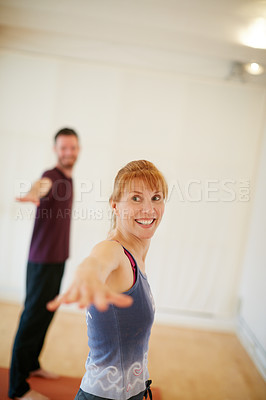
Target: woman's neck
{"type": "Point", "coordinates": [138, 247]}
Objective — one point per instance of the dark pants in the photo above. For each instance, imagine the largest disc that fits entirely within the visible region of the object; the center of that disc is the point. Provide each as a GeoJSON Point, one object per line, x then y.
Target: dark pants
{"type": "Point", "coordinates": [42, 285]}
{"type": "Point", "coordinates": [86, 396]}
{"type": "Point", "coordinates": [81, 395]}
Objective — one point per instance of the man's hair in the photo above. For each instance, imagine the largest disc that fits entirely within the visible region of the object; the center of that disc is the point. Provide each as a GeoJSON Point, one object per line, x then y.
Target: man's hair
{"type": "Point", "coordinates": [66, 132]}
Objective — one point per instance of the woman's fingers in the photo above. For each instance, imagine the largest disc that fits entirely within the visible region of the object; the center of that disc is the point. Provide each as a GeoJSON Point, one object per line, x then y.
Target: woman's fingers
{"type": "Point", "coordinates": [101, 297]}
{"type": "Point", "coordinates": [120, 300]}
{"type": "Point", "coordinates": [85, 296]}
{"type": "Point", "coordinates": [100, 300]}
{"type": "Point", "coordinates": [71, 296]}
{"type": "Point", "coordinates": [55, 303]}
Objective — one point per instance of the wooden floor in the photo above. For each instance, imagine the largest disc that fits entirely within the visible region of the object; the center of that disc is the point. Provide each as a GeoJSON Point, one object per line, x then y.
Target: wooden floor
{"type": "Point", "coordinates": [185, 364]}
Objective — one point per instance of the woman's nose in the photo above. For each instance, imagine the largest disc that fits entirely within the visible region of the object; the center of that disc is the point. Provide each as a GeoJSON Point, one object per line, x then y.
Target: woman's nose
{"type": "Point", "coordinates": [147, 206]}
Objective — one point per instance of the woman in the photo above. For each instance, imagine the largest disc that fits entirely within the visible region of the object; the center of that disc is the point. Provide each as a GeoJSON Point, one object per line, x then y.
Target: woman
{"type": "Point", "coordinates": [112, 283]}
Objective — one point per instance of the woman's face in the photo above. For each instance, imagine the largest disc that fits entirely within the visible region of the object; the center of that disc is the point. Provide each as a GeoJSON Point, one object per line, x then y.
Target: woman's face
{"type": "Point", "coordinates": [140, 210]}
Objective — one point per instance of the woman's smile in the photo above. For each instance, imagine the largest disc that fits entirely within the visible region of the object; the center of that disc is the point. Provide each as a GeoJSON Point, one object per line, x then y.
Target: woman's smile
{"type": "Point", "coordinates": [145, 222]}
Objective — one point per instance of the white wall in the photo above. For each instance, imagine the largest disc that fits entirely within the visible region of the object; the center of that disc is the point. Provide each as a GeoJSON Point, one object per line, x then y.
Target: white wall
{"type": "Point", "coordinates": [252, 316]}
{"type": "Point", "coordinates": [203, 133]}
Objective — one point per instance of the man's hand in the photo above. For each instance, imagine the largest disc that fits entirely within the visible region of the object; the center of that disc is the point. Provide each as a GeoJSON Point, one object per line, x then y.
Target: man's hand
{"type": "Point", "coordinates": [38, 190]}
{"type": "Point", "coordinates": [29, 197]}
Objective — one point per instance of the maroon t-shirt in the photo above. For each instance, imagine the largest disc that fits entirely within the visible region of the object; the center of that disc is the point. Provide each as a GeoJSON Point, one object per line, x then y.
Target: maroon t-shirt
{"type": "Point", "coordinates": [50, 238]}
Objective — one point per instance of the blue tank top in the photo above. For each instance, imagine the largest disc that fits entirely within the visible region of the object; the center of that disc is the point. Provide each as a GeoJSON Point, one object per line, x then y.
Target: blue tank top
{"type": "Point", "coordinates": [118, 339]}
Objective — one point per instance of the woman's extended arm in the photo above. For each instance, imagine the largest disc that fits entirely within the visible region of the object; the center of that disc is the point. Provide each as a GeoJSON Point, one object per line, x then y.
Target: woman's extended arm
{"type": "Point", "coordinates": [89, 284]}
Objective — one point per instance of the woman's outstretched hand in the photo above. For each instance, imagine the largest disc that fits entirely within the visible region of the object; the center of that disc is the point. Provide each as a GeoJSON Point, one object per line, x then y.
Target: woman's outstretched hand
{"type": "Point", "coordinates": [89, 284]}
{"type": "Point", "coordinates": [86, 292]}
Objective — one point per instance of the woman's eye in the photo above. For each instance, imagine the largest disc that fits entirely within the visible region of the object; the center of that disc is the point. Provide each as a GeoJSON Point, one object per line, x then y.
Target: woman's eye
{"type": "Point", "coordinates": [136, 198]}
{"type": "Point", "coordinates": [156, 198]}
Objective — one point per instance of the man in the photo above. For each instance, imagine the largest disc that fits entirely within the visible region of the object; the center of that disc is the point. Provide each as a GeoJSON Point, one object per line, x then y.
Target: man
{"type": "Point", "coordinates": [49, 250]}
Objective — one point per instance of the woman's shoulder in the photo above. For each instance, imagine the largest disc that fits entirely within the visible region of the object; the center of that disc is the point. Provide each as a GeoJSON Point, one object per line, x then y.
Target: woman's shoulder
{"type": "Point", "coordinates": [108, 247]}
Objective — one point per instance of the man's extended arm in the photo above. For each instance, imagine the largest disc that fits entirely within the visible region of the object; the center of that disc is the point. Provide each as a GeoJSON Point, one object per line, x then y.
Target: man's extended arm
{"type": "Point", "coordinates": [39, 189]}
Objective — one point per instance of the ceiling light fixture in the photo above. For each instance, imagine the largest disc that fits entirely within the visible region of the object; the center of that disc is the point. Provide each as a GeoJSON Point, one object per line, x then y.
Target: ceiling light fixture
{"type": "Point", "coordinates": [254, 68]}
{"type": "Point", "coordinates": [255, 36]}
{"type": "Point", "coordinates": [241, 71]}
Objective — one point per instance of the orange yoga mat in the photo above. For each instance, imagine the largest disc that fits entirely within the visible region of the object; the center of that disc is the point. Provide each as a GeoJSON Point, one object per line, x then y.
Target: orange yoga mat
{"type": "Point", "coordinates": [64, 388]}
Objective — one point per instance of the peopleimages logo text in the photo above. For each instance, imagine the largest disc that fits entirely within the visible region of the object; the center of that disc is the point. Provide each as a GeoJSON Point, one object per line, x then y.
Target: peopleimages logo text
{"type": "Point", "coordinates": [191, 190]}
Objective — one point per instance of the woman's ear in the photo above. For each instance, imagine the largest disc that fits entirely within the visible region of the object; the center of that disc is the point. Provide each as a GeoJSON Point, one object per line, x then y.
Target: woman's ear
{"type": "Point", "coordinates": [113, 205]}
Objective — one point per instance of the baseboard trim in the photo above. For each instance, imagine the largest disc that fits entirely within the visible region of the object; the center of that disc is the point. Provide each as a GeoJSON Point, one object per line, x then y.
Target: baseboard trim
{"type": "Point", "coordinates": [195, 320]}
{"type": "Point", "coordinates": [251, 344]}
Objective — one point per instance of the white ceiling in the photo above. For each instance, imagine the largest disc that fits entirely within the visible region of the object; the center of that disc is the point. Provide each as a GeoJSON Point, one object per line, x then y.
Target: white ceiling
{"type": "Point", "coordinates": [189, 36]}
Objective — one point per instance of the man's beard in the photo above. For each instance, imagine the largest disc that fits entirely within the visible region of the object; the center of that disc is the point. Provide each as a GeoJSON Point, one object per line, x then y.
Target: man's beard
{"type": "Point", "coordinates": [67, 162]}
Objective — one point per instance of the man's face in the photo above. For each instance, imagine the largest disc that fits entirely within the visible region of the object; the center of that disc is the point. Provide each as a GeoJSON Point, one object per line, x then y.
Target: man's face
{"type": "Point", "coordinates": [67, 150]}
